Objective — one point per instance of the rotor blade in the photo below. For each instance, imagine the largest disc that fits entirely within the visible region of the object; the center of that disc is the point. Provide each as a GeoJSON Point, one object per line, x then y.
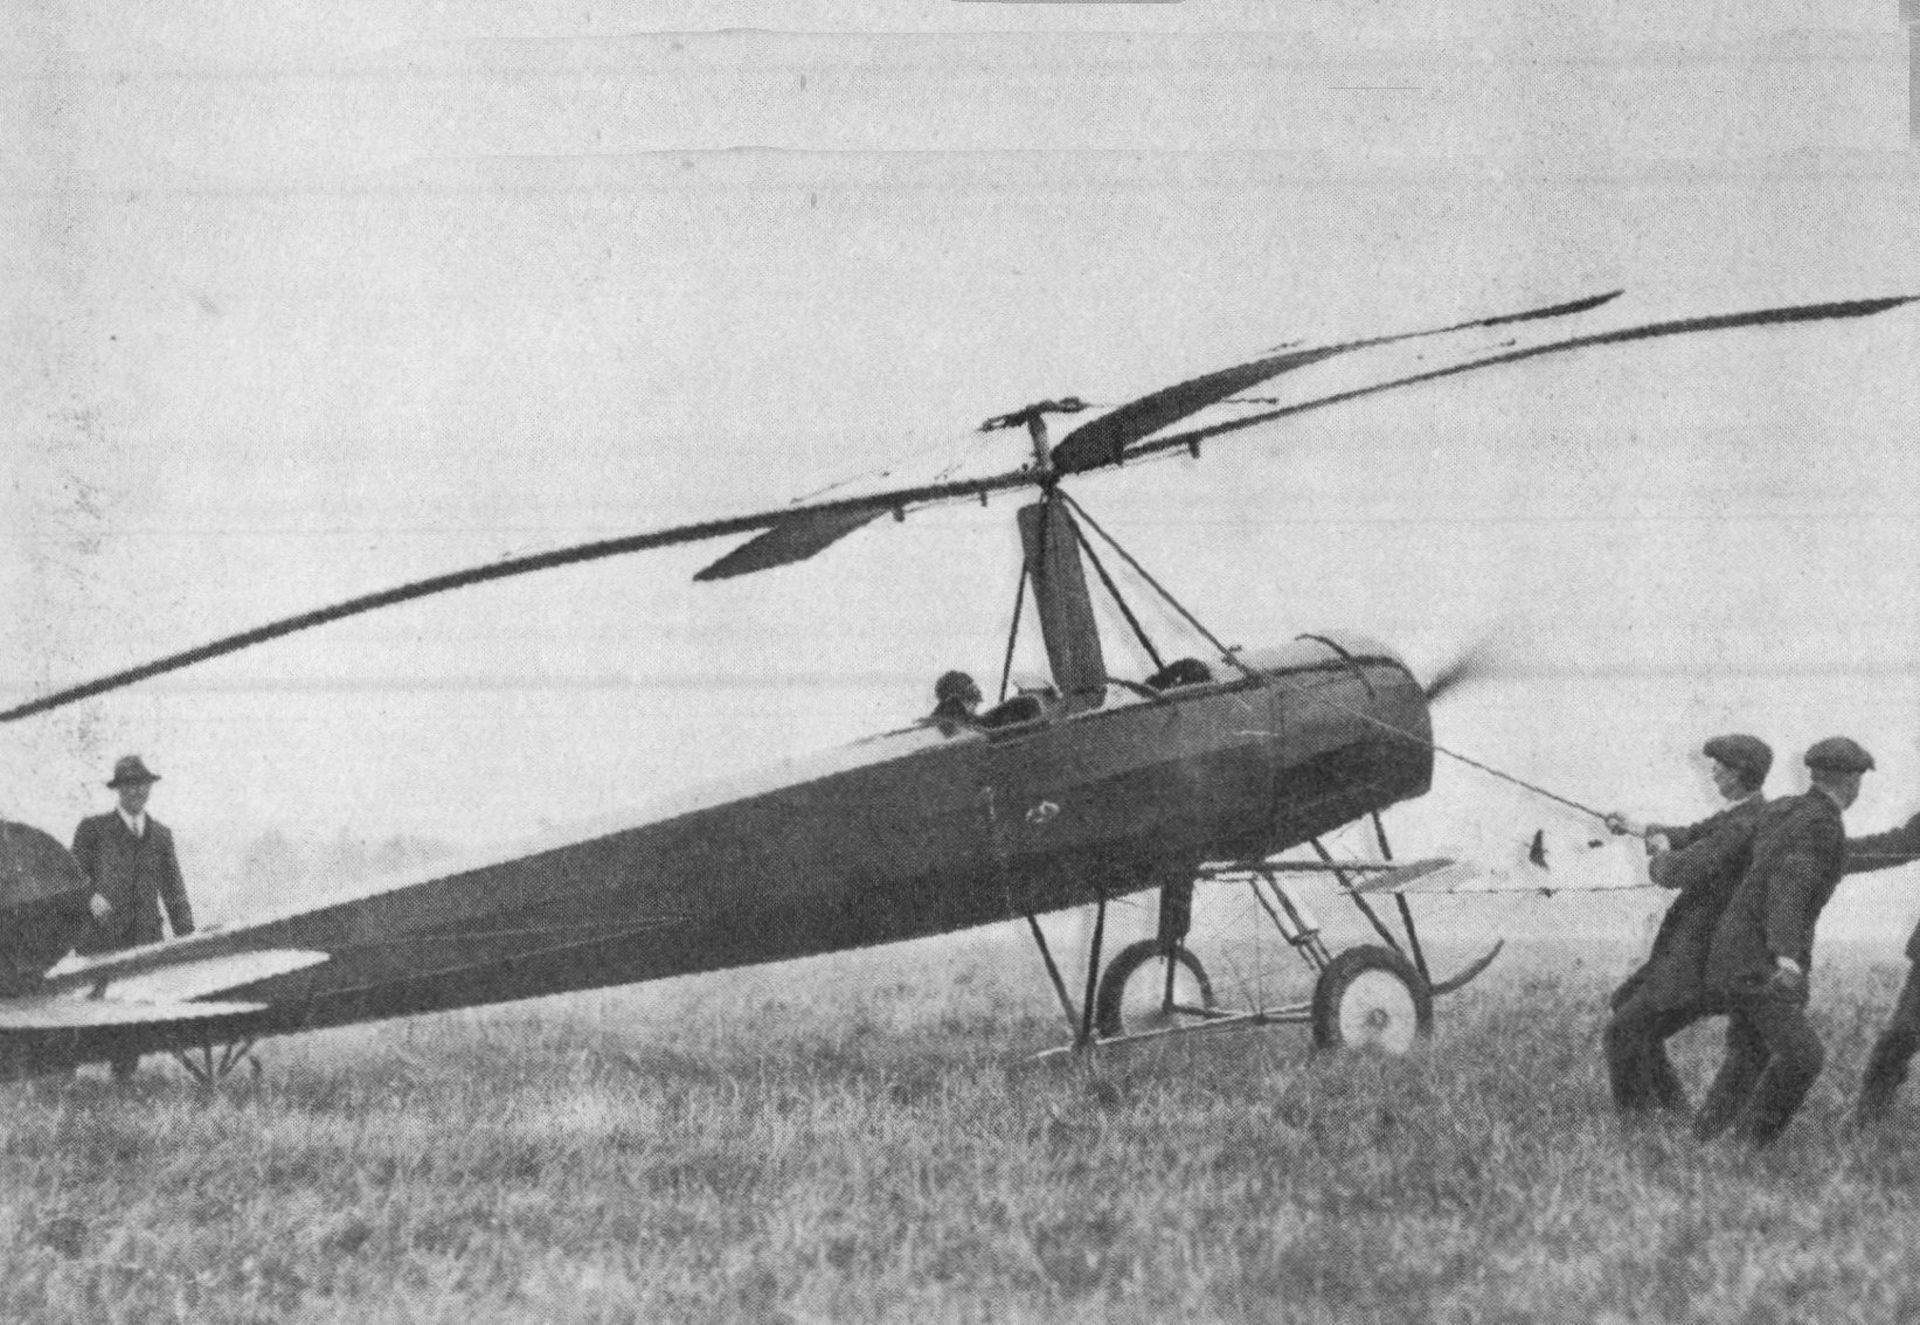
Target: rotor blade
{"type": "Point", "coordinates": [1104, 440]}
{"type": "Point", "coordinates": [1686, 326]}
{"type": "Point", "coordinates": [789, 541]}
{"type": "Point", "coordinates": [827, 513]}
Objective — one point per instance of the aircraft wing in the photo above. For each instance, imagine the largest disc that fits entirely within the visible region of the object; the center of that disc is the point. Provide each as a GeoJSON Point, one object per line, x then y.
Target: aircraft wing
{"type": "Point", "coordinates": [1437, 875]}
{"type": "Point", "coordinates": [141, 989]}
{"type": "Point", "coordinates": [1449, 878]}
{"type": "Point", "coordinates": [146, 1000]}
{"type": "Point", "coordinates": [1511, 885]}
{"type": "Point", "coordinates": [1539, 866]}
{"type": "Point", "coordinates": [68, 1012]}
{"type": "Point", "coordinates": [144, 975]}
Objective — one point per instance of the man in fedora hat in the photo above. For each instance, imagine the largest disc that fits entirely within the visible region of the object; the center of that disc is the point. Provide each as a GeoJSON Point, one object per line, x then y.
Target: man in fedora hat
{"type": "Point", "coordinates": [1762, 951]}
{"type": "Point", "coordinates": [1703, 862]}
{"type": "Point", "coordinates": [129, 857]}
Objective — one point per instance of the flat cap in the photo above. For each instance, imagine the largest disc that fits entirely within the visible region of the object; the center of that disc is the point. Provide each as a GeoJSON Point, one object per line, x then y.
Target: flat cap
{"type": "Point", "coordinates": [1837, 754]}
{"type": "Point", "coordinates": [1748, 755]}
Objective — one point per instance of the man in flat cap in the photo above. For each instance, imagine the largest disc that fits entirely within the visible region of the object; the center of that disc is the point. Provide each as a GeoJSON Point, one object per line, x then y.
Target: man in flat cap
{"type": "Point", "coordinates": [1762, 951]}
{"type": "Point", "coordinates": [1887, 1063]}
{"type": "Point", "coordinates": [129, 857]}
{"type": "Point", "coordinates": [1703, 862]}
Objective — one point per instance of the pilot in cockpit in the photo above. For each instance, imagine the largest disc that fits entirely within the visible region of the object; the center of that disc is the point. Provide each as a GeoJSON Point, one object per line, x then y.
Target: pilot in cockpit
{"type": "Point", "coordinates": [956, 702]}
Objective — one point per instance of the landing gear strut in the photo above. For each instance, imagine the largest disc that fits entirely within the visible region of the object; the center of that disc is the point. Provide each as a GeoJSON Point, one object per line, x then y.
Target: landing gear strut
{"type": "Point", "coordinates": [210, 1064]}
{"type": "Point", "coordinates": [1375, 996]}
{"type": "Point", "coordinates": [1150, 986]}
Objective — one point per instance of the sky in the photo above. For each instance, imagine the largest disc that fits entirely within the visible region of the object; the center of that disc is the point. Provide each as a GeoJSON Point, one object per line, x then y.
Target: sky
{"type": "Point", "coordinates": [304, 301]}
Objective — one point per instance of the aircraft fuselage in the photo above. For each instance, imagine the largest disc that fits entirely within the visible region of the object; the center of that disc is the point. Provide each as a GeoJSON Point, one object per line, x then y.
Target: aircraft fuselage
{"type": "Point", "coordinates": [913, 833]}
{"type": "Point", "coordinates": [900, 836]}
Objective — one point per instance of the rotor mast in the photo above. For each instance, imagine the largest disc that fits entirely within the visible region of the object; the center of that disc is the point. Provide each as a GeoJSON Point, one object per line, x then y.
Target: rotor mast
{"type": "Point", "coordinates": [1050, 542]}
{"type": "Point", "coordinates": [1042, 449]}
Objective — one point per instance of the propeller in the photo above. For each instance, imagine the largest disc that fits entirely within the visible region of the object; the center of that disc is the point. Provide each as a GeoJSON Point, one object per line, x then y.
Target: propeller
{"type": "Point", "coordinates": [796, 532]}
{"type": "Point", "coordinates": [1484, 659]}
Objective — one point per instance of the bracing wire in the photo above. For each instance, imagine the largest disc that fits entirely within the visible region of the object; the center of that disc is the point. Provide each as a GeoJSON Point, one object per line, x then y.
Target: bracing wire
{"type": "Point", "coordinates": [1013, 633]}
{"type": "Point", "coordinates": [1226, 654]}
{"type": "Point", "coordinates": [1113, 590]}
{"type": "Point", "coordinates": [1232, 657]}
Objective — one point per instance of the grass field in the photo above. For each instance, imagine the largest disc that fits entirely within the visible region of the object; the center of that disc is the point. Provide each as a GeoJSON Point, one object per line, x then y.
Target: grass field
{"type": "Point", "coordinates": [854, 1140]}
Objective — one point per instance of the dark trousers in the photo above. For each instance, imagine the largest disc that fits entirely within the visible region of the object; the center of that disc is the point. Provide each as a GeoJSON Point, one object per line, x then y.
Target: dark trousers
{"type": "Point", "coordinates": [1772, 1059]}
{"type": "Point", "coordinates": [1887, 1064]}
{"type": "Point", "coordinates": [125, 1065]}
{"type": "Point", "coordinates": [1635, 1043]}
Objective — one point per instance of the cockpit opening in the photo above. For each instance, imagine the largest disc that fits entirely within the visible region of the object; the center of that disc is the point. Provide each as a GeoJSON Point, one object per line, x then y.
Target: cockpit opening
{"type": "Point", "coordinates": [1180, 672]}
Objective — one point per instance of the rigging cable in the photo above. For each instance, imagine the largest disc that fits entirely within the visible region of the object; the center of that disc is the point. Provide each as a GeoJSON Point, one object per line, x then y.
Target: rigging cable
{"type": "Point", "coordinates": [1139, 631]}
{"type": "Point", "coordinates": [1233, 657]}
{"type": "Point", "coordinates": [1013, 633]}
{"type": "Point", "coordinates": [1228, 655]}
{"type": "Point", "coordinates": [1437, 748]}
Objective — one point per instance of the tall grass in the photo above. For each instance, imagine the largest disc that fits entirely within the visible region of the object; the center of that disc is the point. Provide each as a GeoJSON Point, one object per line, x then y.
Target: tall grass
{"type": "Point", "coordinates": [858, 1140]}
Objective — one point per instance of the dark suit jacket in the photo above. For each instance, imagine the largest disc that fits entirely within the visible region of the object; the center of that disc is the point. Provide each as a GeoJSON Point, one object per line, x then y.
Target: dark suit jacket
{"type": "Point", "coordinates": [1883, 851]}
{"type": "Point", "coordinates": [1707, 864]}
{"type": "Point", "coordinates": [1799, 853]}
{"type": "Point", "coordinates": [137, 876]}
{"type": "Point", "coordinates": [1679, 838]}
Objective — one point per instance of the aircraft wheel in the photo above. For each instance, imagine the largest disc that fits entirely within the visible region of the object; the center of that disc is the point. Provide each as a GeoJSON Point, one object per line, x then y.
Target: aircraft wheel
{"type": "Point", "coordinates": [1371, 998]}
{"type": "Point", "coordinates": [1132, 996]}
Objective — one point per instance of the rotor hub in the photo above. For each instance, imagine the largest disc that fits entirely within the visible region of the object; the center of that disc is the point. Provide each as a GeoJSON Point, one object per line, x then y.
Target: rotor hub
{"type": "Point", "coordinates": [1034, 416]}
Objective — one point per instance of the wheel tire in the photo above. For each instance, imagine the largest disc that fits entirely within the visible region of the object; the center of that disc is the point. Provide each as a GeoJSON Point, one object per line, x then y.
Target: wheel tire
{"type": "Point", "coordinates": [1136, 962]}
{"type": "Point", "coordinates": [1371, 998]}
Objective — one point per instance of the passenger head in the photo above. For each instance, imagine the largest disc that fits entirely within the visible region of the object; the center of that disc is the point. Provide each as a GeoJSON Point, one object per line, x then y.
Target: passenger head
{"type": "Point", "coordinates": [956, 690]}
{"type": "Point", "coordinates": [1837, 765]}
{"type": "Point", "coordinates": [1740, 764]}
